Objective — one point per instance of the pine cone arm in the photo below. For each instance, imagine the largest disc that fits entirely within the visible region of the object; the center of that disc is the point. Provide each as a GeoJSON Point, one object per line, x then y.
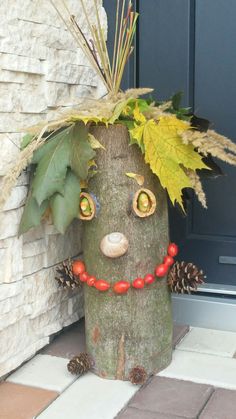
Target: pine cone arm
{"type": "Point", "coordinates": [184, 278]}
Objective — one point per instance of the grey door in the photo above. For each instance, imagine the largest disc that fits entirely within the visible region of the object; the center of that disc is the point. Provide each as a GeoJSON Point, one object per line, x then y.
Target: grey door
{"type": "Point", "coordinates": [190, 46]}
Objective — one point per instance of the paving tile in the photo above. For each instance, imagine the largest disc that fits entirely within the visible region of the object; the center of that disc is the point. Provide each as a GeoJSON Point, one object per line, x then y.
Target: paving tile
{"type": "Point", "coordinates": [22, 402]}
{"type": "Point", "coordinates": [222, 405]}
{"type": "Point", "coordinates": [215, 342]}
{"type": "Point", "coordinates": [172, 397]}
{"type": "Point", "coordinates": [91, 397]}
{"type": "Point", "coordinates": [44, 371]}
{"type": "Point", "coordinates": [132, 413]}
{"type": "Point", "coordinates": [69, 343]}
{"type": "Point", "coordinates": [202, 368]}
{"type": "Point", "coordinates": [179, 332]}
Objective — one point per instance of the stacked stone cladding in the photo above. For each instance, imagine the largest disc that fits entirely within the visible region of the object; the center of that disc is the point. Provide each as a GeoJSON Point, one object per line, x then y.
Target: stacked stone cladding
{"type": "Point", "coordinates": [41, 68]}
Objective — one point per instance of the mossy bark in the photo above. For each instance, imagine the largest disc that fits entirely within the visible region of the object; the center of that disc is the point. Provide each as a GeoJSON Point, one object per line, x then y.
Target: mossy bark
{"type": "Point", "coordinates": [123, 331]}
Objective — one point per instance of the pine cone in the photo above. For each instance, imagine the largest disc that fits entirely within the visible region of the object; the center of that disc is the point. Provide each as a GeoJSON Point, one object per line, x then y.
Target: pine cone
{"type": "Point", "coordinates": [185, 277]}
{"type": "Point", "coordinates": [80, 364]}
{"type": "Point", "coordinates": [138, 375]}
{"type": "Point", "coordinates": [65, 276]}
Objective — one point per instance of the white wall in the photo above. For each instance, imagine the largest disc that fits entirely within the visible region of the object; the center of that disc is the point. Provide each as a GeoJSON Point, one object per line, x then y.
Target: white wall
{"type": "Point", "coordinates": [40, 68]}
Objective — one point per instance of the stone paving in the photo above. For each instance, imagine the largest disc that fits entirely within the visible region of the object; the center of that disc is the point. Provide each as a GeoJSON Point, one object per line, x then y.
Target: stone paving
{"type": "Point", "coordinates": [190, 388]}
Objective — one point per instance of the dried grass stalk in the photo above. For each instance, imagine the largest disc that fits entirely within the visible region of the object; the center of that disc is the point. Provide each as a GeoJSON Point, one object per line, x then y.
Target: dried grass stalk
{"type": "Point", "coordinates": [211, 143]}
{"type": "Point", "coordinates": [197, 186]}
{"type": "Point", "coordinates": [95, 48]}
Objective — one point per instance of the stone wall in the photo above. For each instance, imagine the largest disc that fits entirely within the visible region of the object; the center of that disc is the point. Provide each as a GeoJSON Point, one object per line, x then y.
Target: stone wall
{"type": "Point", "coordinates": [41, 68]}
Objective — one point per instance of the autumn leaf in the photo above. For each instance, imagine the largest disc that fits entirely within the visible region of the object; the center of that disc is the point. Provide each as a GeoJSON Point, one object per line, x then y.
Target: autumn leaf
{"type": "Point", "coordinates": [87, 119]}
{"type": "Point", "coordinates": [168, 155]}
{"type": "Point", "coordinates": [95, 144]}
{"type": "Point", "coordinates": [139, 178]}
{"type": "Point", "coordinates": [136, 136]}
{"type": "Point", "coordinates": [68, 148]}
{"type": "Point", "coordinates": [26, 140]}
{"type": "Point", "coordinates": [32, 214]}
{"type": "Point", "coordinates": [81, 151]}
{"type": "Point", "coordinates": [66, 207]}
{"type": "Point", "coordinates": [119, 108]}
{"type": "Point", "coordinates": [138, 116]}
{"type": "Point", "coordinates": [136, 107]}
{"type": "Point", "coordinates": [53, 159]}
{"type": "Point", "coordinates": [136, 133]}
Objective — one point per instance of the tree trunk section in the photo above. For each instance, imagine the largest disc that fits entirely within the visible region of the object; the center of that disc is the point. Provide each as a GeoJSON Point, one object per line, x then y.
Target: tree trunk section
{"type": "Point", "coordinates": [134, 329]}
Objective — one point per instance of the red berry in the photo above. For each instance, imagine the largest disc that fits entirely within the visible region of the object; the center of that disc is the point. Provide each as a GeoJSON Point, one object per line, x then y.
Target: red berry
{"type": "Point", "coordinates": [172, 249]}
{"type": "Point", "coordinates": [168, 260]}
{"type": "Point", "coordinates": [161, 270]}
{"type": "Point", "coordinates": [149, 279]}
{"type": "Point", "coordinates": [138, 283]}
{"type": "Point", "coordinates": [121, 287]}
{"type": "Point", "coordinates": [102, 285]}
{"type": "Point", "coordinates": [78, 267]}
{"type": "Point", "coordinates": [84, 277]}
{"type": "Point", "coordinates": [91, 281]}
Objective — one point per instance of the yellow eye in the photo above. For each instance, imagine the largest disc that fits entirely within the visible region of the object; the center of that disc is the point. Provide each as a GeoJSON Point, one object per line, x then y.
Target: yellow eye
{"type": "Point", "coordinates": [144, 203]}
{"type": "Point", "coordinates": [87, 207]}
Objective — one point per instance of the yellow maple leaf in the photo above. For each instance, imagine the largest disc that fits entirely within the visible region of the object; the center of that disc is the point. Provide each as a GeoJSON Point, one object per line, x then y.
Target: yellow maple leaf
{"type": "Point", "coordinates": [136, 135]}
{"type": "Point", "coordinates": [88, 118]}
{"type": "Point", "coordinates": [138, 116]}
{"type": "Point", "coordinates": [126, 110]}
{"type": "Point", "coordinates": [118, 110]}
{"type": "Point", "coordinates": [167, 155]}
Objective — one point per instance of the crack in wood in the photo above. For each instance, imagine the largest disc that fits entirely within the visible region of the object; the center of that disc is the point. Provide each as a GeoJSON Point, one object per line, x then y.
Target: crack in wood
{"type": "Point", "coordinates": [120, 370]}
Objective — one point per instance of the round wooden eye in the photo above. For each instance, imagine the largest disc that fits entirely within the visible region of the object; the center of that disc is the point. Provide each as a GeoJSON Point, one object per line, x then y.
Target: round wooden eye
{"type": "Point", "coordinates": [87, 207]}
{"type": "Point", "coordinates": [144, 203]}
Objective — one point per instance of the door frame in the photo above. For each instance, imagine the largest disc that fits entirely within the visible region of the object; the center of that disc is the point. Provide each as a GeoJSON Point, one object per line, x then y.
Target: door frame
{"type": "Point", "coordinates": [213, 306]}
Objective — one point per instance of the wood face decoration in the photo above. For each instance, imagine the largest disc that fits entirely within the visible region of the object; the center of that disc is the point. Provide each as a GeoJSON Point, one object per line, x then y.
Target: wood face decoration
{"type": "Point", "coordinates": [130, 324]}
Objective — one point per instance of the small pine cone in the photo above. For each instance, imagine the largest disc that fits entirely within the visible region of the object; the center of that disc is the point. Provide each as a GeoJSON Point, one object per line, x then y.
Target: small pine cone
{"type": "Point", "coordinates": [185, 277]}
{"type": "Point", "coordinates": [138, 375]}
{"type": "Point", "coordinates": [65, 276]}
{"type": "Point", "coordinates": [80, 364]}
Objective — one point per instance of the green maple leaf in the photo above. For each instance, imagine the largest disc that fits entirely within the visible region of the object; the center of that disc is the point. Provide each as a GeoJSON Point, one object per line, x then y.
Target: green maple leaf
{"type": "Point", "coordinates": [81, 151]}
{"type": "Point", "coordinates": [32, 214]}
{"type": "Point", "coordinates": [26, 140]}
{"type": "Point", "coordinates": [65, 208]}
{"type": "Point", "coordinates": [53, 159]}
{"type": "Point", "coordinates": [68, 148]}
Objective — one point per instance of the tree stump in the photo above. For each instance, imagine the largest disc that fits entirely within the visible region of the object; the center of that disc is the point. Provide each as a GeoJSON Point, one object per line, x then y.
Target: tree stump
{"type": "Point", "coordinates": [134, 329]}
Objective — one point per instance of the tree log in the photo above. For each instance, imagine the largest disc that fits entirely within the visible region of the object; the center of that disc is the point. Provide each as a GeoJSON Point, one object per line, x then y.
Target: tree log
{"type": "Point", "coordinates": [123, 331]}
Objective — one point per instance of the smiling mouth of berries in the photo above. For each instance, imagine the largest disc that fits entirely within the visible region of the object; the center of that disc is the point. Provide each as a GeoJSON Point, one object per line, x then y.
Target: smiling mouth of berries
{"type": "Point", "coordinates": [122, 287]}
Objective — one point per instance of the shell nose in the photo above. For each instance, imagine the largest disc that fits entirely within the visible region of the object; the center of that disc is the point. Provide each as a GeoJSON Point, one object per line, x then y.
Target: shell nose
{"type": "Point", "coordinates": [114, 245]}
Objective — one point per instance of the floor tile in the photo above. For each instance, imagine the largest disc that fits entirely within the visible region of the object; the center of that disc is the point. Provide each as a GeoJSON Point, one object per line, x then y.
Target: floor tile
{"type": "Point", "coordinates": [172, 397]}
{"type": "Point", "coordinates": [222, 405]}
{"type": "Point", "coordinates": [44, 371]}
{"type": "Point", "coordinates": [22, 402]}
{"type": "Point", "coordinates": [133, 413]}
{"type": "Point", "coordinates": [215, 342]}
{"type": "Point", "coordinates": [179, 332]}
{"type": "Point", "coordinates": [69, 343]}
{"type": "Point", "coordinates": [202, 368]}
{"type": "Point", "coordinates": [91, 397]}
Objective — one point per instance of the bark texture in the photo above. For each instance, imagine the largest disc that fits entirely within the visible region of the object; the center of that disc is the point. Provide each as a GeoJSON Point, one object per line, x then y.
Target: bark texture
{"type": "Point", "coordinates": [123, 331]}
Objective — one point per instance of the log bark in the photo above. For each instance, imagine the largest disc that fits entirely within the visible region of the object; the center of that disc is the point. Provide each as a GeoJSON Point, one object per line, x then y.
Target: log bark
{"type": "Point", "coordinates": [123, 331]}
